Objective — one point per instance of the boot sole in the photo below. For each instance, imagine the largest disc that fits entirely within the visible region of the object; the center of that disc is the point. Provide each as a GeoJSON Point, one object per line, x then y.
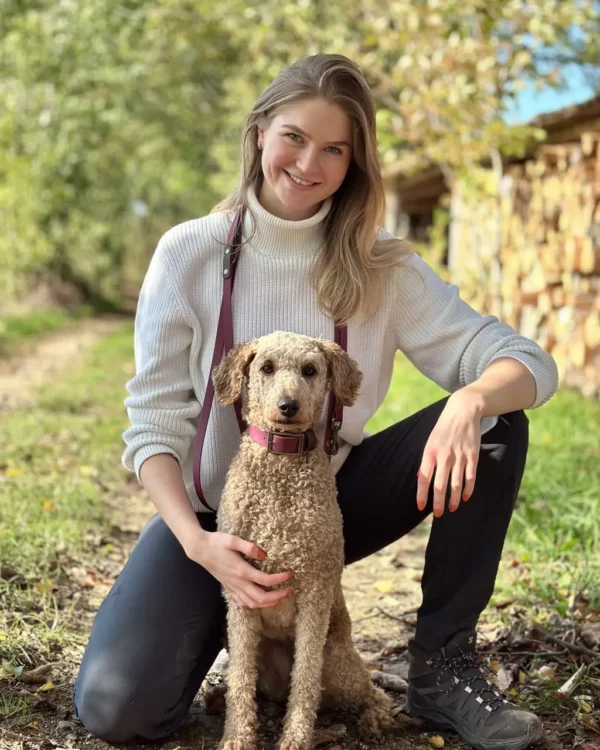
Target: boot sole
{"type": "Point", "coordinates": [442, 722]}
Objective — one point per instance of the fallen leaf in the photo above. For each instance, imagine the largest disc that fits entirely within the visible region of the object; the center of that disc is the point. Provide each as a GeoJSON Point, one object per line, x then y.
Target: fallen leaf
{"type": "Point", "coordinates": [12, 472]}
{"type": "Point", "coordinates": [45, 687]}
{"type": "Point", "coordinates": [385, 587]}
{"type": "Point", "coordinates": [393, 647]}
{"type": "Point", "coordinates": [436, 741]}
{"type": "Point", "coordinates": [332, 733]}
{"type": "Point", "coordinates": [45, 586]}
{"type": "Point", "coordinates": [545, 673]}
{"type": "Point", "coordinates": [591, 723]}
{"type": "Point", "coordinates": [495, 665]}
{"type": "Point", "coordinates": [37, 676]}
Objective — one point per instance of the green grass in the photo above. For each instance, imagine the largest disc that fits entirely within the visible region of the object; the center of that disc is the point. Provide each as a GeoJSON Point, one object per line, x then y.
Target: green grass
{"type": "Point", "coordinates": [58, 460]}
{"type": "Point", "coordinates": [554, 536]}
{"type": "Point", "coordinates": [17, 330]}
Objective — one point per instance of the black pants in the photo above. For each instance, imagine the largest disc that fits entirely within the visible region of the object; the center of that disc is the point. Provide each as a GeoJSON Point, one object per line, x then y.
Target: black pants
{"type": "Point", "coordinates": [158, 631]}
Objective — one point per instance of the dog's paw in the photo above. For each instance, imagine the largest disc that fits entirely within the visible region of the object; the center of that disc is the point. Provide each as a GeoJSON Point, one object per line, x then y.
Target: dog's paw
{"type": "Point", "coordinates": [237, 745]}
{"type": "Point", "coordinates": [295, 743]}
{"type": "Point", "coordinates": [376, 717]}
{"type": "Point", "coordinates": [214, 699]}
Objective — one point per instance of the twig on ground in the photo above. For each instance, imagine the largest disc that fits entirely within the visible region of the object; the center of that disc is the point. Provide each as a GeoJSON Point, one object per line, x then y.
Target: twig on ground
{"type": "Point", "coordinates": [571, 646]}
{"type": "Point", "coordinates": [526, 653]}
{"type": "Point", "coordinates": [366, 617]}
{"type": "Point", "coordinates": [389, 614]}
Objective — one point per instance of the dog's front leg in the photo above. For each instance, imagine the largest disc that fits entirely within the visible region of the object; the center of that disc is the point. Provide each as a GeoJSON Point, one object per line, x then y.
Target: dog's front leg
{"type": "Point", "coordinates": [243, 635]}
{"type": "Point", "coordinates": [312, 622]}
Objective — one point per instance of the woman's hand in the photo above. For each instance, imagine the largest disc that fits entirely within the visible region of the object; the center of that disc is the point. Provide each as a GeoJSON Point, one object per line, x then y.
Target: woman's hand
{"type": "Point", "coordinates": [221, 555]}
{"type": "Point", "coordinates": [452, 450]}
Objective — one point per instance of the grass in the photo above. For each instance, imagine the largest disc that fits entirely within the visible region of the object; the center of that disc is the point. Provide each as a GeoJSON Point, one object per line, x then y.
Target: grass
{"type": "Point", "coordinates": [553, 543]}
{"type": "Point", "coordinates": [58, 460]}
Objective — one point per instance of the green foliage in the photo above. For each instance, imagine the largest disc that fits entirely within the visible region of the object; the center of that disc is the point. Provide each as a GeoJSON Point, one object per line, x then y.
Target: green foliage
{"type": "Point", "coordinates": [119, 120]}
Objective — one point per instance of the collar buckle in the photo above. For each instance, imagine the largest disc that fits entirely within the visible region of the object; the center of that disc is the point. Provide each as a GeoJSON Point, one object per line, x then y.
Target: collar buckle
{"type": "Point", "coordinates": [300, 437]}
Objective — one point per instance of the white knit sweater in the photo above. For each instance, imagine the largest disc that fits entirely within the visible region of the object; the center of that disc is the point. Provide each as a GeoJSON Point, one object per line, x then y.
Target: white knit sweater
{"type": "Point", "coordinates": [177, 316]}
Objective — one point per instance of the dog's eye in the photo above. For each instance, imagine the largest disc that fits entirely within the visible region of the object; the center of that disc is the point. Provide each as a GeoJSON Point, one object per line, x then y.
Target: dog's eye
{"type": "Point", "coordinates": [309, 371]}
{"type": "Point", "coordinates": [267, 369]}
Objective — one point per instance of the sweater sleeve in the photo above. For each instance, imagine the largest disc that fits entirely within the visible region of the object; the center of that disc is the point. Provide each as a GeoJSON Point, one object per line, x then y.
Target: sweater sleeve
{"type": "Point", "coordinates": [450, 342]}
{"type": "Point", "coordinates": [161, 405]}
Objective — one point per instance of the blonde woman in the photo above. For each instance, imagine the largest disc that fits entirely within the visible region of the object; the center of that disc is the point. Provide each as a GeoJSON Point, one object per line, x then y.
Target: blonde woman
{"type": "Point", "coordinates": [313, 253]}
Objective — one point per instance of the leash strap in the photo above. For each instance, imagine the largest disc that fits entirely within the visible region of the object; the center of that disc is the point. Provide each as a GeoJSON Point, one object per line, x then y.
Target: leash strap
{"type": "Point", "coordinates": [224, 342]}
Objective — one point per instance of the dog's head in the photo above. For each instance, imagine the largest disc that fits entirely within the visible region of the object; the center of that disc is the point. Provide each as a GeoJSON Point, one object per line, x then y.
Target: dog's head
{"type": "Point", "coordinates": [288, 376]}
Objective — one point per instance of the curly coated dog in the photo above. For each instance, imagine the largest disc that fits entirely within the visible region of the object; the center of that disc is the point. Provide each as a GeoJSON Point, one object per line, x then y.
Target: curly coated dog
{"type": "Point", "coordinates": [301, 649]}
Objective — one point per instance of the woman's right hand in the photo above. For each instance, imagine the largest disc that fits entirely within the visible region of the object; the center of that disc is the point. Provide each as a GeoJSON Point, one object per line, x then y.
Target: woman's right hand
{"type": "Point", "coordinates": [221, 555]}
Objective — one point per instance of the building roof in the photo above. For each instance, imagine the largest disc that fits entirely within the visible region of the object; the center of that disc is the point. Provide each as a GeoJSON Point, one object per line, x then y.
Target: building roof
{"type": "Point", "coordinates": [561, 126]}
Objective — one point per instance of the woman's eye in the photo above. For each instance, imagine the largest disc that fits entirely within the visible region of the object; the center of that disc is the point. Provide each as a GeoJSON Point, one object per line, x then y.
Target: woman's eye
{"type": "Point", "coordinates": [308, 371]}
{"type": "Point", "coordinates": [267, 369]}
{"type": "Point", "coordinates": [336, 151]}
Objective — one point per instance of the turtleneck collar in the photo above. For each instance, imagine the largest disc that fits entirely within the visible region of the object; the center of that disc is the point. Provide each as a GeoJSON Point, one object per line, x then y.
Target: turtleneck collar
{"type": "Point", "coordinates": [275, 236]}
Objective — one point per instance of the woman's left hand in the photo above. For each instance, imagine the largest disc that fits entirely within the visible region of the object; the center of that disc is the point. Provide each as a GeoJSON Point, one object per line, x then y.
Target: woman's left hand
{"type": "Point", "coordinates": [452, 450]}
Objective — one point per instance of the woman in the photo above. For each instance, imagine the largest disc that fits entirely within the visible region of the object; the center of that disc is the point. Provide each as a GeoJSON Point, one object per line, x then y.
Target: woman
{"type": "Point", "coordinates": [313, 253]}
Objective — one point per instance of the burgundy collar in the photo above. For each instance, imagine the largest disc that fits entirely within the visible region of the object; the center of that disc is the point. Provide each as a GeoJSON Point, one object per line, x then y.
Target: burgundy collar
{"type": "Point", "coordinates": [284, 442]}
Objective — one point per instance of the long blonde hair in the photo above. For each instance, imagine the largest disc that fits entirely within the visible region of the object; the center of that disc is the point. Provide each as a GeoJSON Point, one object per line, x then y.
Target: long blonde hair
{"type": "Point", "coordinates": [347, 273]}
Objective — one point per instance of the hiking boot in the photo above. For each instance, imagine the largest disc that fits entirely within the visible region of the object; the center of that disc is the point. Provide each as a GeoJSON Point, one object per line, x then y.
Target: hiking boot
{"type": "Point", "coordinates": [448, 689]}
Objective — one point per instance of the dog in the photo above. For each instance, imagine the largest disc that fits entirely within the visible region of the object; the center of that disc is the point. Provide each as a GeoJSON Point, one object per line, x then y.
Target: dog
{"type": "Point", "coordinates": [300, 650]}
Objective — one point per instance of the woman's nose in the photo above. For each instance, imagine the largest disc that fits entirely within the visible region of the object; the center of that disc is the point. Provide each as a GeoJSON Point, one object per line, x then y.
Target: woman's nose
{"type": "Point", "coordinates": [308, 163]}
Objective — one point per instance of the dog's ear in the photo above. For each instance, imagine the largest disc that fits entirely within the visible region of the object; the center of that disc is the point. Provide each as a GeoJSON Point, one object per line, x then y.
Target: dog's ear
{"type": "Point", "coordinates": [228, 376]}
{"type": "Point", "coordinates": [345, 376]}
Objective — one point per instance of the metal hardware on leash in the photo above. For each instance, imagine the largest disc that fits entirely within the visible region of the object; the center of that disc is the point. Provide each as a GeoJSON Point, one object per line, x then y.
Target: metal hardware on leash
{"type": "Point", "coordinates": [334, 447]}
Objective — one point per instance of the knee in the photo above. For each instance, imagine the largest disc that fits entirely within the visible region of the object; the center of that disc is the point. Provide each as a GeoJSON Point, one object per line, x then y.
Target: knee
{"type": "Point", "coordinates": [106, 709]}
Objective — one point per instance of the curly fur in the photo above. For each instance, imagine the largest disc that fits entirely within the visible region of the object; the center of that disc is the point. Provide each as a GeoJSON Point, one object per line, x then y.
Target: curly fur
{"type": "Point", "coordinates": [300, 650]}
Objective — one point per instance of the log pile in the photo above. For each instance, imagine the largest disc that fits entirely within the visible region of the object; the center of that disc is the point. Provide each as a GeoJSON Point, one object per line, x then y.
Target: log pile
{"type": "Point", "coordinates": [530, 254]}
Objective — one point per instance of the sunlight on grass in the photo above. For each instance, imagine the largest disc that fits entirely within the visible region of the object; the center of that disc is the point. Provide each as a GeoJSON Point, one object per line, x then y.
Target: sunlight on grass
{"type": "Point", "coordinates": [555, 532]}
{"type": "Point", "coordinates": [59, 460]}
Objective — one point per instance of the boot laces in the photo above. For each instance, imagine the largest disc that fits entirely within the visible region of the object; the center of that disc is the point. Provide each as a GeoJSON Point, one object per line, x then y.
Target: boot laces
{"type": "Point", "coordinates": [467, 670]}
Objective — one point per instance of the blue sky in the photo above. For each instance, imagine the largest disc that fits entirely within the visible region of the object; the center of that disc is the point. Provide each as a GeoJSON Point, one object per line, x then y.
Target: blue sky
{"type": "Point", "coordinates": [529, 103]}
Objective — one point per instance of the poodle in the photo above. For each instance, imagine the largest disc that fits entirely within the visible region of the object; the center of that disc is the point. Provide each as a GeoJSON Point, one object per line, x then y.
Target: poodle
{"type": "Point", "coordinates": [301, 649]}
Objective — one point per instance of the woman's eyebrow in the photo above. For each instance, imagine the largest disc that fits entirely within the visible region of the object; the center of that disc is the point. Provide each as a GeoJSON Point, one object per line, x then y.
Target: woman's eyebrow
{"type": "Point", "coordinates": [299, 130]}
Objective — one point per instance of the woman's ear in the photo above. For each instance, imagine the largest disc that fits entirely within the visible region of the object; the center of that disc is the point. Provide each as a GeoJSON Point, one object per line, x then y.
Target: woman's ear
{"type": "Point", "coordinates": [345, 376]}
{"type": "Point", "coordinates": [228, 375]}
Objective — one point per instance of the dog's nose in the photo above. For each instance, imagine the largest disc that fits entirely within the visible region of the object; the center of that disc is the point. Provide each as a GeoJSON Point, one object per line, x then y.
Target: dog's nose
{"type": "Point", "coordinates": [288, 406]}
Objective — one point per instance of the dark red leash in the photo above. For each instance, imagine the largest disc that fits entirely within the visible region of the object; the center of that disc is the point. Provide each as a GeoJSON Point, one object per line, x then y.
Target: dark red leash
{"type": "Point", "coordinates": [224, 342]}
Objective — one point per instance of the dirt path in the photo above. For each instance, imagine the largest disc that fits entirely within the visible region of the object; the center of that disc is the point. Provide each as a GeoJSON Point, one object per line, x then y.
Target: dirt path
{"type": "Point", "coordinates": [21, 374]}
{"type": "Point", "coordinates": [382, 592]}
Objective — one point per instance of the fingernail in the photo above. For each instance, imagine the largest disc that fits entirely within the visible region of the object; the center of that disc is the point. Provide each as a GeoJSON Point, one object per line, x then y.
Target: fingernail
{"type": "Point", "coordinates": [262, 555]}
{"type": "Point", "coordinates": [453, 508]}
{"type": "Point", "coordinates": [437, 513]}
{"type": "Point", "coordinates": [466, 497]}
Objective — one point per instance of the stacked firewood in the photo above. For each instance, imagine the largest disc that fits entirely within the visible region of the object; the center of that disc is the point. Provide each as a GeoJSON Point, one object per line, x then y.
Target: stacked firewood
{"type": "Point", "coordinates": [533, 248]}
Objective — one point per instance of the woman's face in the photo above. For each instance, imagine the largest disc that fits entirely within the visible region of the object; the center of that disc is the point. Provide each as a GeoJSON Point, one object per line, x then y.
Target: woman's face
{"type": "Point", "coordinates": [311, 140]}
